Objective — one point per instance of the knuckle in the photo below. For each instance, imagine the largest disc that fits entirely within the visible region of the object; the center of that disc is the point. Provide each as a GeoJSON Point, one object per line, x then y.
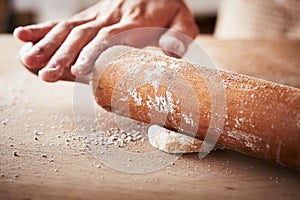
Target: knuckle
{"type": "Point", "coordinates": [78, 31]}
{"type": "Point", "coordinates": [112, 30]}
{"type": "Point", "coordinates": [65, 24]}
{"type": "Point", "coordinates": [40, 50]}
{"type": "Point", "coordinates": [107, 31]}
{"type": "Point", "coordinates": [81, 31]}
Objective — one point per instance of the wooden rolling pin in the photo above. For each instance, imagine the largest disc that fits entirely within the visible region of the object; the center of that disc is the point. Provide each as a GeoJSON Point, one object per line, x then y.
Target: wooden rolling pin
{"type": "Point", "coordinates": [260, 118]}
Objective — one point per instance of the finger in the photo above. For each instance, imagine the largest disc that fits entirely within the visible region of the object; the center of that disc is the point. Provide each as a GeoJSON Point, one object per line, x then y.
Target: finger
{"type": "Point", "coordinates": [42, 51]}
{"type": "Point", "coordinates": [66, 55]}
{"type": "Point", "coordinates": [104, 39]}
{"type": "Point", "coordinates": [143, 36]}
{"type": "Point", "coordinates": [33, 33]}
{"type": "Point", "coordinates": [25, 48]}
{"type": "Point", "coordinates": [181, 33]}
{"type": "Point", "coordinates": [67, 76]}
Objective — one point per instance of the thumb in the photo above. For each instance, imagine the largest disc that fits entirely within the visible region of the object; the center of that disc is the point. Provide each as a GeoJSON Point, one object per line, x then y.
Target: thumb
{"type": "Point", "coordinates": [175, 41]}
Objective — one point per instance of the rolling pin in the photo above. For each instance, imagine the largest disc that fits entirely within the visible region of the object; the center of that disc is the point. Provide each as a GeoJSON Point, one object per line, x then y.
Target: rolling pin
{"type": "Point", "coordinates": [260, 118]}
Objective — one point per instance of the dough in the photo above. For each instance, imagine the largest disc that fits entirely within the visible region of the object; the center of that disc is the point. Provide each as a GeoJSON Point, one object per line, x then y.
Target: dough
{"type": "Point", "coordinates": [172, 142]}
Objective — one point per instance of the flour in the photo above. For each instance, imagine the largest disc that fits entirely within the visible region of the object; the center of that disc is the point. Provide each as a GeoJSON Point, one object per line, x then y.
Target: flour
{"type": "Point", "coordinates": [188, 119]}
{"type": "Point", "coordinates": [136, 97]}
{"type": "Point", "coordinates": [162, 103]}
{"type": "Point", "coordinates": [114, 136]}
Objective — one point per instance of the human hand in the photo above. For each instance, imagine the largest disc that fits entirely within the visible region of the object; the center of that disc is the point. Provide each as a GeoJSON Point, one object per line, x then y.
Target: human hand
{"type": "Point", "coordinates": [65, 49]}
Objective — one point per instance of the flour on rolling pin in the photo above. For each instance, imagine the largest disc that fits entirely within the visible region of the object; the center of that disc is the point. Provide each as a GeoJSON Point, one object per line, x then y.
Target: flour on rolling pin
{"type": "Point", "coordinates": [161, 100]}
{"type": "Point", "coordinates": [261, 118]}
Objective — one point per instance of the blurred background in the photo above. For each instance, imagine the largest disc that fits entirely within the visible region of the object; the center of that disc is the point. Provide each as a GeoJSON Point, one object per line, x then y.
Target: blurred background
{"type": "Point", "coordinates": [14, 13]}
{"type": "Point", "coordinates": [226, 19]}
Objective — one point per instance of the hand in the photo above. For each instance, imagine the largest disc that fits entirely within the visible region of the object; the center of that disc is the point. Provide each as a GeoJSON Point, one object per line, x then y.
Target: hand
{"type": "Point", "coordinates": [69, 48]}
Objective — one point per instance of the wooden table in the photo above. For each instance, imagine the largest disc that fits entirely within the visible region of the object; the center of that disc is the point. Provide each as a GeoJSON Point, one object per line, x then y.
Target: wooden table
{"type": "Point", "coordinates": [41, 158]}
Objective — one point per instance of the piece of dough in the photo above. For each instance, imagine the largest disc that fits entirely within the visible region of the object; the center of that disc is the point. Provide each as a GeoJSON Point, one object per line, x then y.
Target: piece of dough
{"type": "Point", "coordinates": [172, 142]}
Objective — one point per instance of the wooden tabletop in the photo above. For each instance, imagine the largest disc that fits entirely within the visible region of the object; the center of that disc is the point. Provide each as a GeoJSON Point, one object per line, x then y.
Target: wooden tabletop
{"type": "Point", "coordinates": [41, 156]}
